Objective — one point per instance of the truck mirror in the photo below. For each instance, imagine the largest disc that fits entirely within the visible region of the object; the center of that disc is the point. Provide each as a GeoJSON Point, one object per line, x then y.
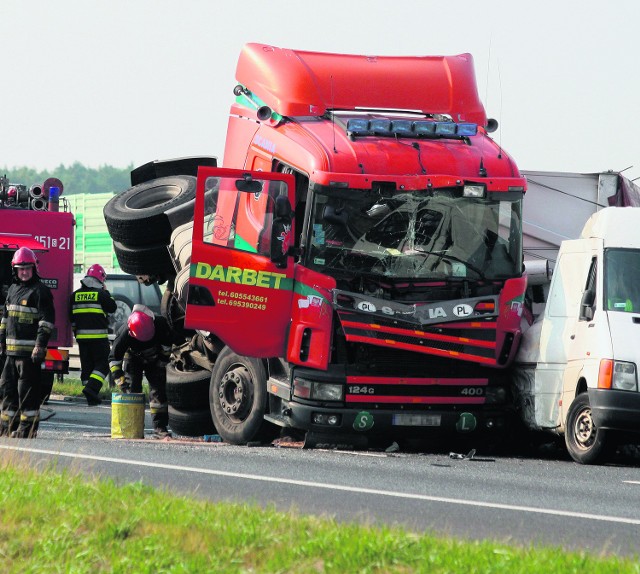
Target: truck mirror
{"type": "Point", "coordinates": [586, 305]}
{"type": "Point", "coordinates": [335, 215]}
{"type": "Point", "coordinates": [248, 184]}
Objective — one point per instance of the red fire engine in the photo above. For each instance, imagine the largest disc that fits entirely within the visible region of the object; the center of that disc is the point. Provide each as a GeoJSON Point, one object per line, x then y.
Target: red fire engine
{"type": "Point", "coordinates": [33, 217]}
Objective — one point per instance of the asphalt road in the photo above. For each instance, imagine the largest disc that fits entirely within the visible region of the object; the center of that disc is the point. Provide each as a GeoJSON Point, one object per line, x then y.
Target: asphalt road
{"type": "Point", "coordinates": [550, 501]}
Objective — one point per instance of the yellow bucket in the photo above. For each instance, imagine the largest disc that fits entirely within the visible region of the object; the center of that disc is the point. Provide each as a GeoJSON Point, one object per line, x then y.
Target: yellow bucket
{"type": "Point", "coordinates": [127, 415]}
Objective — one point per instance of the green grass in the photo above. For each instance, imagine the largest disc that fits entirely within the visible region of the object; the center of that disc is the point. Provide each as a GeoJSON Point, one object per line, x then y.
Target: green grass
{"type": "Point", "coordinates": [72, 387]}
{"type": "Point", "coordinates": [58, 522]}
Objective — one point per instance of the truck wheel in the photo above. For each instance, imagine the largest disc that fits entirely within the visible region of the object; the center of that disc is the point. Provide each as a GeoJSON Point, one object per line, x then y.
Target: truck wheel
{"type": "Point", "coordinates": [146, 214]}
{"type": "Point", "coordinates": [171, 310]}
{"type": "Point", "coordinates": [238, 398]}
{"type": "Point", "coordinates": [193, 422]}
{"type": "Point", "coordinates": [585, 442]}
{"type": "Point", "coordinates": [124, 306]}
{"type": "Point", "coordinates": [187, 389]}
{"type": "Point", "coordinates": [145, 259]}
{"type": "Point", "coordinates": [181, 244]}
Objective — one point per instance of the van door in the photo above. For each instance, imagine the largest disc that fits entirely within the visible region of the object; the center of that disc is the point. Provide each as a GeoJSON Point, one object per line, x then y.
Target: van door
{"type": "Point", "coordinates": [590, 333]}
{"type": "Point", "coordinates": [242, 269]}
{"type": "Point", "coordinates": [558, 329]}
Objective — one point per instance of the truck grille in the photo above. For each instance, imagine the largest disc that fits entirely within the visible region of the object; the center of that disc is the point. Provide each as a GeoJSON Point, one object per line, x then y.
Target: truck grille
{"type": "Point", "coordinates": [473, 341]}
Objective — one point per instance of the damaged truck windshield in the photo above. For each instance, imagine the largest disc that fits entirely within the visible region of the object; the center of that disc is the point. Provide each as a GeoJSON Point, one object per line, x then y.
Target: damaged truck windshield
{"type": "Point", "coordinates": [420, 234]}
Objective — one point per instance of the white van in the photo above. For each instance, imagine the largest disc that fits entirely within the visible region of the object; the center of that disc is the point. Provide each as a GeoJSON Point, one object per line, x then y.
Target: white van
{"type": "Point", "coordinates": [576, 370]}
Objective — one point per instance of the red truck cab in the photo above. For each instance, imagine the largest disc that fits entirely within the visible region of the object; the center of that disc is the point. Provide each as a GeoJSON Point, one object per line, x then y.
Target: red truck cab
{"type": "Point", "coordinates": [365, 243]}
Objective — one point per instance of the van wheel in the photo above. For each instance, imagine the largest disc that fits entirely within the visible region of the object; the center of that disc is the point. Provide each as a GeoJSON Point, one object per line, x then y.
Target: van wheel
{"type": "Point", "coordinates": [586, 443]}
{"type": "Point", "coordinates": [147, 213]}
{"type": "Point", "coordinates": [238, 399]}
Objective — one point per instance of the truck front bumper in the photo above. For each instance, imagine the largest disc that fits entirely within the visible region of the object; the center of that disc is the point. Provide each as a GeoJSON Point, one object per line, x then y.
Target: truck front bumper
{"type": "Point", "coordinates": [615, 410]}
{"type": "Point", "coordinates": [379, 423]}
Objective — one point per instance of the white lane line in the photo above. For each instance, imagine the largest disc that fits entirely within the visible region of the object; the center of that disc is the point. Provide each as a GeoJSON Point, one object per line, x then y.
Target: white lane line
{"type": "Point", "coordinates": [354, 489]}
{"type": "Point", "coordinates": [631, 481]}
{"type": "Point", "coordinates": [73, 425]}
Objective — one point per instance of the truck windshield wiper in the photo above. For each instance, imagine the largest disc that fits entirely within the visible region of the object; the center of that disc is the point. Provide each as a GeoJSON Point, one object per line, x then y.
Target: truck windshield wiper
{"type": "Point", "coordinates": [447, 257]}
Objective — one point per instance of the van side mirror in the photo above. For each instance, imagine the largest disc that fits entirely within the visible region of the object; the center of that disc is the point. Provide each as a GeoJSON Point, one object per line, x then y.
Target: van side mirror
{"type": "Point", "coordinates": [586, 305]}
{"type": "Point", "coordinates": [281, 232]}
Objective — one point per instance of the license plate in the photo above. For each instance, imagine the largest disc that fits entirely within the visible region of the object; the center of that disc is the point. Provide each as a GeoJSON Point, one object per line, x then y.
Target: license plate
{"type": "Point", "coordinates": [406, 420]}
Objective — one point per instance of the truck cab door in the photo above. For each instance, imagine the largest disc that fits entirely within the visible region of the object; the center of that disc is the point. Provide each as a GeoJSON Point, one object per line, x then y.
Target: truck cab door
{"type": "Point", "coordinates": [242, 267]}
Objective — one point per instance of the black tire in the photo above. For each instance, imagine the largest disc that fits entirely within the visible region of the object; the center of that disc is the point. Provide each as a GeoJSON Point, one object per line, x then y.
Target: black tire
{"type": "Point", "coordinates": [171, 310]}
{"type": "Point", "coordinates": [187, 389]}
{"type": "Point", "coordinates": [586, 443]}
{"type": "Point", "coordinates": [124, 306]}
{"type": "Point", "coordinates": [145, 259]}
{"type": "Point", "coordinates": [238, 399]}
{"type": "Point", "coordinates": [146, 214]}
{"type": "Point", "coordinates": [46, 386]}
{"type": "Point", "coordinates": [194, 422]}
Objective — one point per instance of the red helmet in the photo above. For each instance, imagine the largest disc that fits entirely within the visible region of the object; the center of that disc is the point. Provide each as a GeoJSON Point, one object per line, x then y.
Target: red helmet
{"type": "Point", "coordinates": [141, 326]}
{"type": "Point", "coordinates": [97, 272]}
{"type": "Point", "coordinates": [24, 257]}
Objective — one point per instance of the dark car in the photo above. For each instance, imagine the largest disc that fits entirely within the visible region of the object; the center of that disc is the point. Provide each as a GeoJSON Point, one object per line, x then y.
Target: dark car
{"type": "Point", "coordinates": [128, 291]}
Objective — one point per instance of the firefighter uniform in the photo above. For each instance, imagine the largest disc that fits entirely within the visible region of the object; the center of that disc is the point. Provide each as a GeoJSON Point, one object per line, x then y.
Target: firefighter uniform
{"type": "Point", "coordinates": [27, 323]}
{"type": "Point", "coordinates": [134, 356]}
{"type": "Point", "coordinates": [90, 305]}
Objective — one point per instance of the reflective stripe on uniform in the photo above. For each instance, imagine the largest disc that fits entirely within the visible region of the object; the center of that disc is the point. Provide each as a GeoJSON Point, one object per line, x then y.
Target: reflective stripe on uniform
{"type": "Point", "coordinates": [20, 344]}
{"type": "Point", "coordinates": [87, 308]}
{"type": "Point", "coordinates": [92, 333]}
{"type": "Point", "coordinates": [158, 407]}
{"type": "Point", "coordinates": [13, 308]}
{"type": "Point", "coordinates": [98, 376]}
{"type": "Point", "coordinates": [46, 325]}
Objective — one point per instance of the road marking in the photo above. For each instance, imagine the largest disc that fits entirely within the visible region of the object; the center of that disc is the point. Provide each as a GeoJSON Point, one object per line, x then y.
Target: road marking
{"type": "Point", "coordinates": [74, 426]}
{"type": "Point", "coordinates": [631, 481]}
{"type": "Point", "coordinates": [354, 489]}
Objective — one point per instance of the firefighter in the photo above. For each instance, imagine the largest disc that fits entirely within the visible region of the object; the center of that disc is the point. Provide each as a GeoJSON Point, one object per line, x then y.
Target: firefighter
{"type": "Point", "coordinates": [27, 323]}
{"type": "Point", "coordinates": [89, 307]}
{"type": "Point", "coordinates": [6, 278]}
{"type": "Point", "coordinates": [141, 348]}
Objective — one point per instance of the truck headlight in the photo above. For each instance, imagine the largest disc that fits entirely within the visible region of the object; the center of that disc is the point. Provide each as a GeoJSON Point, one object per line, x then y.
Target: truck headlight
{"type": "Point", "coordinates": [618, 375]}
{"type": "Point", "coordinates": [314, 390]}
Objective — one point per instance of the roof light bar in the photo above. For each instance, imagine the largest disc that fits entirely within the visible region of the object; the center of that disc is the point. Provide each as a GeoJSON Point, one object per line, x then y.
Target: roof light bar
{"type": "Point", "coordinates": [409, 128]}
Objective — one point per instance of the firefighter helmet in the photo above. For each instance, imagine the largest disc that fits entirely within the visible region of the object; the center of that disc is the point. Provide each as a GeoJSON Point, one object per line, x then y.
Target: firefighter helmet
{"type": "Point", "coordinates": [141, 326]}
{"type": "Point", "coordinates": [97, 272]}
{"type": "Point", "coordinates": [24, 257]}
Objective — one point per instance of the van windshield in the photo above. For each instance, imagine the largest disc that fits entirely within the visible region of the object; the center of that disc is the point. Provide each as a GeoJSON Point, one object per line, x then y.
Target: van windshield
{"type": "Point", "coordinates": [622, 280]}
{"type": "Point", "coordinates": [418, 234]}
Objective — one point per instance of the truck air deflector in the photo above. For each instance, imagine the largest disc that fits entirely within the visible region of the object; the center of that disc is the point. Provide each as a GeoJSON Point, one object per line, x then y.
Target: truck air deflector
{"type": "Point", "coordinates": [300, 83]}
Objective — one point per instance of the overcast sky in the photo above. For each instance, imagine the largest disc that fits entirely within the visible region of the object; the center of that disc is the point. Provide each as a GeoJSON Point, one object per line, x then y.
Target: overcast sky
{"type": "Point", "coordinates": [127, 81]}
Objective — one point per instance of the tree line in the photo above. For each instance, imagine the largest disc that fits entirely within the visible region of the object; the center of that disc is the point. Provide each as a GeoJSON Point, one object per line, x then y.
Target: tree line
{"type": "Point", "coordinates": [75, 178]}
